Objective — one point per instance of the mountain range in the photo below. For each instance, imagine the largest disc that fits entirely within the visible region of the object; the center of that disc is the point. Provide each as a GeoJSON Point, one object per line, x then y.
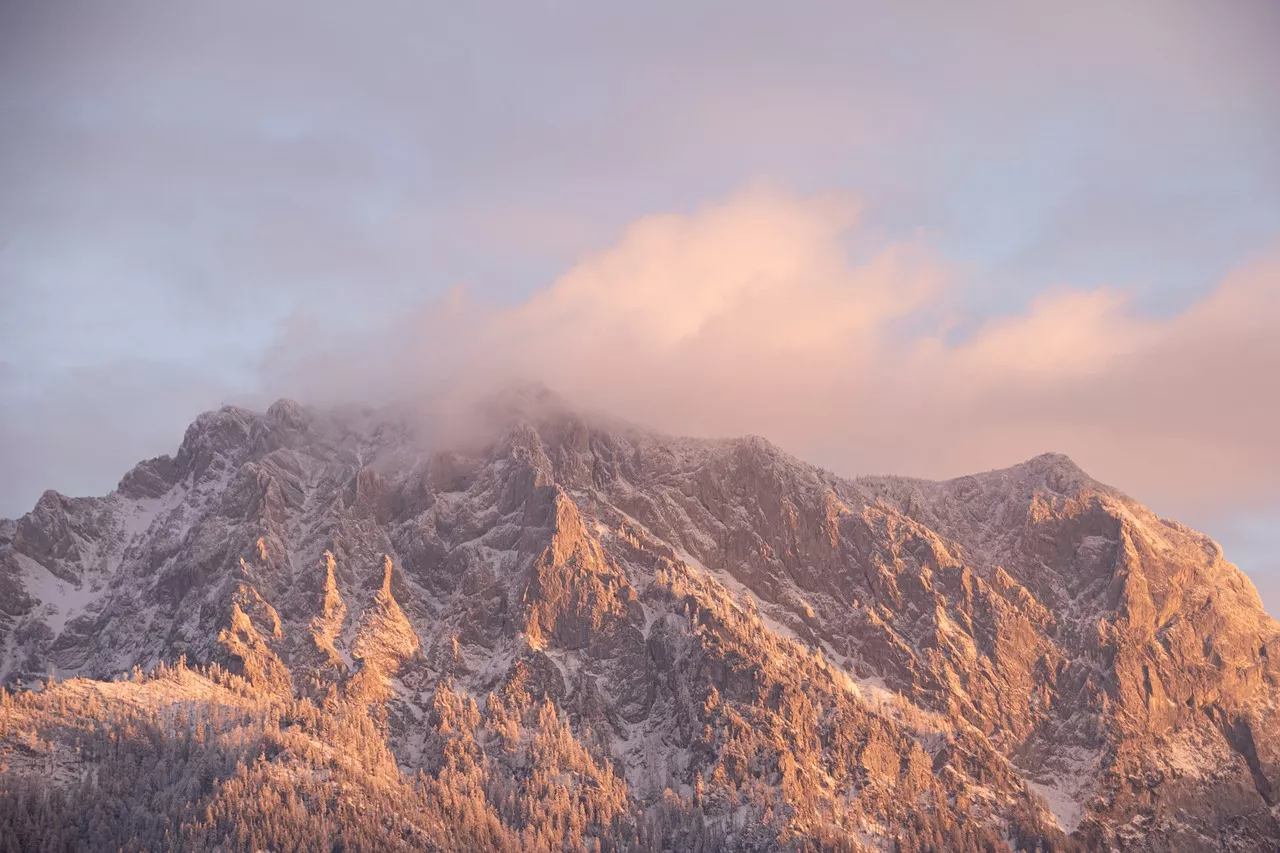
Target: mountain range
{"type": "Point", "coordinates": [348, 629]}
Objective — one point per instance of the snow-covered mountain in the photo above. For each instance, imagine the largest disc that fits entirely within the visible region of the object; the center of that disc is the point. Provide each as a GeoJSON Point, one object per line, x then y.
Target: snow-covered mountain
{"type": "Point", "coordinates": [570, 631]}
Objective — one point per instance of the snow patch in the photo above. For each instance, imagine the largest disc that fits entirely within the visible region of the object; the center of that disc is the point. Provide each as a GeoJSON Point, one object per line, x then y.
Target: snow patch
{"type": "Point", "coordinates": [1071, 774]}
{"type": "Point", "coordinates": [1063, 805]}
{"type": "Point", "coordinates": [61, 600]}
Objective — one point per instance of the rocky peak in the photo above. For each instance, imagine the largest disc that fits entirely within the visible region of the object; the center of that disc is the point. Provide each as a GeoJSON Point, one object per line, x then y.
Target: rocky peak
{"type": "Point", "coordinates": [326, 626]}
{"type": "Point", "coordinates": [46, 525]}
{"type": "Point", "coordinates": [285, 414]}
{"type": "Point", "coordinates": [384, 642]}
{"type": "Point", "coordinates": [151, 478]}
{"type": "Point", "coordinates": [1055, 473]}
{"type": "Point", "coordinates": [216, 442]}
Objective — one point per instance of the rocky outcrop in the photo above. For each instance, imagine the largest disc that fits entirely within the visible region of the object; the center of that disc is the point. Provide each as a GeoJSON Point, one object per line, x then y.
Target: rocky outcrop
{"type": "Point", "coordinates": [384, 642]}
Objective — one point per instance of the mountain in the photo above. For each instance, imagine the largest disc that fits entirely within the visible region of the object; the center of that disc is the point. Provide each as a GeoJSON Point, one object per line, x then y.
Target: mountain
{"type": "Point", "coordinates": [336, 629]}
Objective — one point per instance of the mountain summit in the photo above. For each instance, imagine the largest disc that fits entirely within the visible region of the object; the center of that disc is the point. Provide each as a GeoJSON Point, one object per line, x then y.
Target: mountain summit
{"type": "Point", "coordinates": [321, 629]}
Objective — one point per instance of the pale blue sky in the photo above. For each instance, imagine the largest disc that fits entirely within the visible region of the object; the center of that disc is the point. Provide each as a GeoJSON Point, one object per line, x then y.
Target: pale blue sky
{"type": "Point", "coordinates": [185, 183]}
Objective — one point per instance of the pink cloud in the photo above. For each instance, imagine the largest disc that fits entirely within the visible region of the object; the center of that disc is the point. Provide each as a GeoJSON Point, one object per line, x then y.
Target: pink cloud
{"type": "Point", "coordinates": [752, 316]}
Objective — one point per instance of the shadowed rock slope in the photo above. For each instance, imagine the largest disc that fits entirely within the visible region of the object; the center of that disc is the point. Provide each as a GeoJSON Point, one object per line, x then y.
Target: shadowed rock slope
{"type": "Point", "coordinates": [575, 633]}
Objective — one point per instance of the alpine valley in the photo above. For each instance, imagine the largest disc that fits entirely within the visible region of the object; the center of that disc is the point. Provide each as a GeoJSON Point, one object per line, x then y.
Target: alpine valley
{"type": "Point", "coordinates": [337, 630]}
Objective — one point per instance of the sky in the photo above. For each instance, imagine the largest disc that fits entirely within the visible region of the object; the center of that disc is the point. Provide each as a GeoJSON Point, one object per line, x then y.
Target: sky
{"type": "Point", "coordinates": [926, 238]}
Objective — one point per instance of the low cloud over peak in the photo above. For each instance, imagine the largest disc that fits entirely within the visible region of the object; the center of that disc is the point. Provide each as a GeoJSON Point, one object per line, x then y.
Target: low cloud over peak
{"type": "Point", "coordinates": [788, 316]}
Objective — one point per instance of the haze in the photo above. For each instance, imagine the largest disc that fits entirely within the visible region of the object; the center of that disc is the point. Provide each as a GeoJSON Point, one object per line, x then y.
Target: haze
{"type": "Point", "coordinates": [928, 241]}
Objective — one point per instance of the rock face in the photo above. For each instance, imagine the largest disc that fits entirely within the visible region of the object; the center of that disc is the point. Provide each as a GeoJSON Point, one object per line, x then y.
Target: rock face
{"type": "Point", "coordinates": [717, 643]}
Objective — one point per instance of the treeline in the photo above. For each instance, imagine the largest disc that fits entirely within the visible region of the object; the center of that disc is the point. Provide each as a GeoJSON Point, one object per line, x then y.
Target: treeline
{"type": "Point", "coordinates": [200, 760]}
{"type": "Point", "coordinates": [205, 760]}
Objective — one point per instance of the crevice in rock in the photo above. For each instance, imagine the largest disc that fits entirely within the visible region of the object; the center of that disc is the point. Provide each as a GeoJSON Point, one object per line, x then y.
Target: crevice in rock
{"type": "Point", "coordinates": [1239, 734]}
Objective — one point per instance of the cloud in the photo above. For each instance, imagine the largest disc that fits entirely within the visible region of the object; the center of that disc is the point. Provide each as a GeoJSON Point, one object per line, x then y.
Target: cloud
{"type": "Point", "coordinates": [756, 315]}
{"type": "Point", "coordinates": [1177, 411]}
{"type": "Point", "coordinates": [181, 190]}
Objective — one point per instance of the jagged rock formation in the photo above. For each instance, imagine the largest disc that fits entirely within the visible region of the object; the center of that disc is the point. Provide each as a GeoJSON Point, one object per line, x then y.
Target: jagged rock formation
{"type": "Point", "coordinates": [384, 642]}
{"type": "Point", "coordinates": [580, 630]}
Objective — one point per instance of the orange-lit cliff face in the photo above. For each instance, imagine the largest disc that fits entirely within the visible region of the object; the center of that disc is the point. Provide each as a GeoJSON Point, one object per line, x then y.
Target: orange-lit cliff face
{"type": "Point", "coordinates": [579, 631]}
